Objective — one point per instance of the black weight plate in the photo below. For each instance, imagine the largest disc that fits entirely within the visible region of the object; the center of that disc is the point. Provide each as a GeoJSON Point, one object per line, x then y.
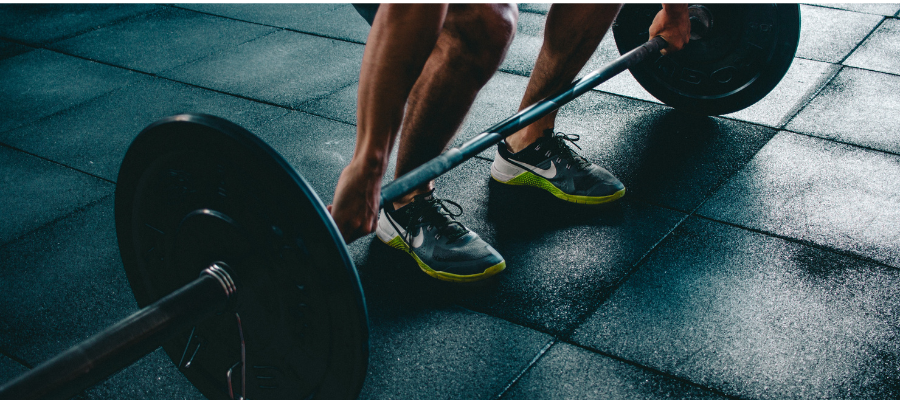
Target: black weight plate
{"type": "Point", "coordinates": [741, 58]}
{"type": "Point", "coordinates": [196, 189]}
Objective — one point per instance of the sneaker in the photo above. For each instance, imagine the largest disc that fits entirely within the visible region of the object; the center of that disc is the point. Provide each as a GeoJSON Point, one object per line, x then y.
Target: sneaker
{"type": "Point", "coordinates": [550, 164]}
{"type": "Point", "coordinates": [442, 246]}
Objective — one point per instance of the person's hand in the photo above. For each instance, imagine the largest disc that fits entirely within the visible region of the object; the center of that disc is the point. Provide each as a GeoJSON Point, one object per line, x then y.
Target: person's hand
{"type": "Point", "coordinates": [356, 201]}
{"type": "Point", "coordinates": [673, 24]}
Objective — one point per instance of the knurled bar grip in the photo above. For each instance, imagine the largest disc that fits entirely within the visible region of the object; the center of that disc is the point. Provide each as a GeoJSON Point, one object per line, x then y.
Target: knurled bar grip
{"type": "Point", "coordinates": [457, 155]}
{"type": "Point", "coordinates": [120, 345]}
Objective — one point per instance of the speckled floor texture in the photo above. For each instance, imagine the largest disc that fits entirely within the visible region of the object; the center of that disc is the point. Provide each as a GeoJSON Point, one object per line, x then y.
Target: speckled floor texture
{"type": "Point", "coordinates": [755, 256]}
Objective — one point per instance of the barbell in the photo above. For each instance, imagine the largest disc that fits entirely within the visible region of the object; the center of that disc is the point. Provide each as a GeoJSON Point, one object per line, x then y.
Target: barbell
{"type": "Point", "coordinates": [242, 275]}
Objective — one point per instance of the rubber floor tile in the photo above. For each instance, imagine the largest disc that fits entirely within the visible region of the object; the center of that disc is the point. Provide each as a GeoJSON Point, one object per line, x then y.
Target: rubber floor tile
{"type": "Point", "coordinates": [339, 106]}
{"type": "Point", "coordinates": [36, 192]}
{"type": "Point", "coordinates": [40, 82]}
{"type": "Point", "coordinates": [10, 369]}
{"type": "Point", "coordinates": [857, 107]}
{"type": "Point", "coordinates": [62, 284]}
{"type": "Point", "coordinates": [162, 40]}
{"type": "Point", "coordinates": [540, 8]}
{"type": "Point", "coordinates": [754, 316]}
{"type": "Point", "coordinates": [497, 101]}
{"type": "Point", "coordinates": [338, 21]}
{"type": "Point", "coordinates": [446, 353]}
{"type": "Point", "coordinates": [886, 9]}
{"type": "Point", "coordinates": [526, 44]}
{"type": "Point", "coordinates": [284, 68]}
{"type": "Point", "coordinates": [10, 49]}
{"type": "Point", "coordinates": [94, 136]}
{"type": "Point", "coordinates": [569, 372]}
{"type": "Point", "coordinates": [829, 35]}
{"type": "Point", "coordinates": [46, 23]}
{"type": "Point", "coordinates": [153, 376]}
{"type": "Point", "coordinates": [801, 82]}
{"type": "Point", "coordinates": [879, 51]}
{"type": "Point", "coordinates": [833, 195]}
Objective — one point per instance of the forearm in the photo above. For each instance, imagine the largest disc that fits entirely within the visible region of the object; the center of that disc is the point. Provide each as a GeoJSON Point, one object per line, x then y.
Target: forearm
{"type": "Point", "coordinates": [401, 39]}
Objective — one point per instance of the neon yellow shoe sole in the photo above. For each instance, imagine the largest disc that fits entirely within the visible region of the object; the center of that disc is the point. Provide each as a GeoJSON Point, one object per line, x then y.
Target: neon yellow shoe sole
{"type": "Point", "coordinates": [399, 244]}
{"type": "Point", "coordinates": [529, 179]}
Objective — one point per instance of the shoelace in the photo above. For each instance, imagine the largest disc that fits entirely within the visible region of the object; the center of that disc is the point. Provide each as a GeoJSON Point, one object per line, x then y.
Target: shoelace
{"type": "Point", "coordinates": [566, 152]}
{"type": "Point", "coordinates": [434, 213]}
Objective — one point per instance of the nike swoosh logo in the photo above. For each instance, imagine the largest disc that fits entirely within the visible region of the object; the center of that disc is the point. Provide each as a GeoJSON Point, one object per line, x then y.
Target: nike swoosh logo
{"type": "Point", "coordinates": [548, 173]}
{"type": "Point", "coordinates": [416, 240]}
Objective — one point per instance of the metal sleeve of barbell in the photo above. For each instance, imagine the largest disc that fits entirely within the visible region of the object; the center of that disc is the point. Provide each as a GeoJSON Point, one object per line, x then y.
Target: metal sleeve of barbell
{"type": "Point", "coordinates": [457, 155]}
{"type": "Point", "coordinates": [119, 345]}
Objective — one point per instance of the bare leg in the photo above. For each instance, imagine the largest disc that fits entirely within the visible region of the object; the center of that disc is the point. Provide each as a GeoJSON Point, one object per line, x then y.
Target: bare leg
{"type": "Point", "coordinates": [572, 34]}
{"type": "Point", "coordinates": [402, 38]}
{"type": "Point", "coordinates": [469, 51]}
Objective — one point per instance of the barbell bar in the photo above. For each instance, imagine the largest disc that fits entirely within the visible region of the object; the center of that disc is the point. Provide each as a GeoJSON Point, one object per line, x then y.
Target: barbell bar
{"type": "Point", "coordinates": [277, 293]}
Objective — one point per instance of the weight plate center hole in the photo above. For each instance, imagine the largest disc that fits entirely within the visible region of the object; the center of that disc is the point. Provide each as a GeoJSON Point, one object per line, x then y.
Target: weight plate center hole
{"type": "Point", "coordinates": [701, 21]}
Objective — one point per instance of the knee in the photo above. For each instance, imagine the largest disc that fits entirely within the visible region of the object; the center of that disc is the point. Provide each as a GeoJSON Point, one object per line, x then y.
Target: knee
{"type": "Point", "coordinates": [499, 22]}
{"type": "Point", "coordinates": [482, 33]}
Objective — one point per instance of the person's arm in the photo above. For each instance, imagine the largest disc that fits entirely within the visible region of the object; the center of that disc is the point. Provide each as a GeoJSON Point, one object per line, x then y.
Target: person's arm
{"type": "Point", "coordinates": [673, 24]}
{"type": "Point", "coordinates": [401, 39]}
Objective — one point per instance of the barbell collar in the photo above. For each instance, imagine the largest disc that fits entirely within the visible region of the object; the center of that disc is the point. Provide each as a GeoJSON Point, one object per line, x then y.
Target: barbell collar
{"type": "Point", "coordinates": [456, 156]}
{"type": "Point", "coordinates": [120, 345]}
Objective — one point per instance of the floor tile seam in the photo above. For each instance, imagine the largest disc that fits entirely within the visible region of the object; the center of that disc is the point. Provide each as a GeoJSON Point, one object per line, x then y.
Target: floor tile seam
{"type": "Point", "coordinates": [828, 6]}
{"type": "Point", "coordinates": [325, 117]}
{"type": "Point", "coordinates": [282, 28]}
{"type": "Point", "coordinates": [532, 12]}
{"type": "Point", "coordinates": [74, 106]}
{"type": "Point", "coordinates": [567, 333]}
{"type": "Point", "coordinates": [641, 260]}
{"type": "Point", "coordinates": [649, 369]}
{"type": "Point", "coordinates": [38, 156]}
{"type": "Point", "coordinates": [800, 107]}
{"type": "Point", "coordinates": [18, 360]}
{"type": "Point", "coordinates": [137, 71]}
{"type": "Point", "coordinates": [57, 220]}
{"type": "Point", "coordinates": [154, 75]}
{"type": "Point", "coordinates": [305, 103]}
{"type": "Point", "coordinates": [836, 141]}
{"type": "Point", "coordinates": [518, 377]}
{"type": "Point", "coordinates": [861, 42]}
{"type": "Point", "coordinates": [210, 53]}
{"type": "Point", "coordinates": [695, 213]}
{"type": "Point", "coordinates": [892, 74]}
{"type": "Point", "coordinates": [803, 242]}
{"type": "Point", "coordinates": [729, 177]}
{"type": "Point", "coordinates": [81, 102]}
{"type": "Point", "coordinates": [89, 29]}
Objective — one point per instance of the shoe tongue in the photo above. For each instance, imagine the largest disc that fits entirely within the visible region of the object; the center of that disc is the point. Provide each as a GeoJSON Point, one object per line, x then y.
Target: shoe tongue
{"type": "Point", "coordinates": [424, 197]}
{"type": "Point", "coordinates": [448, 225]}
{"type": "Point", "coordinates": [547, 138]}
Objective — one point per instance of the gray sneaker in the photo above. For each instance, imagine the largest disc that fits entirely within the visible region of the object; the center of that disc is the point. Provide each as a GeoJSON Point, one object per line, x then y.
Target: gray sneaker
{"type": "Point", "coordinates": [442, 246]}
{"type": "Point", "coordinates": [551, 165]}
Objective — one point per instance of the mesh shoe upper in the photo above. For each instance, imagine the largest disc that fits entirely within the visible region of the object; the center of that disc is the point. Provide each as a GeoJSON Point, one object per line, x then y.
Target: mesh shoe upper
{"type": "Point", "coordinates": [442, 246]}
{"type": "Point", "coordinates": [550, 163]}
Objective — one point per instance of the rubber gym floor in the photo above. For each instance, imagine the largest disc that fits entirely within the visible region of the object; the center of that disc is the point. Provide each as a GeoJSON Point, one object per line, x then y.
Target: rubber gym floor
{"type": "Point", "coordinates": [755, 255]}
